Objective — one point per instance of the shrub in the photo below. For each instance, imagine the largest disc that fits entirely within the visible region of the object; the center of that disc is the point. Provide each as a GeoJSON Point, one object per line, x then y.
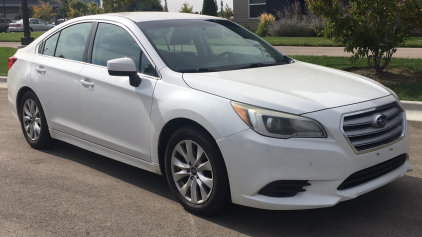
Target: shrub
{"type": "Point", "coordinates": [296, 21]}
{"type": "Point", "coordinates": [369, 29]}
{"type": "Point", "coordinates": [265, 20]}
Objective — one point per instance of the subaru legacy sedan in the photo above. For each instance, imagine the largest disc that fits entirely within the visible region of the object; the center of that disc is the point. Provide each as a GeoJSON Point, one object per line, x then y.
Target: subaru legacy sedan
{"type": "Point", "coordinates": [221, 113]}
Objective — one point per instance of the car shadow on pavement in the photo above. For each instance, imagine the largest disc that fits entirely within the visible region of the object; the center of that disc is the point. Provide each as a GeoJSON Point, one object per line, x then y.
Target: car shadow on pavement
{"type": "Point", "coordinates": [392, 210]}
{"type": "Point", "coordinates": [140, 178]}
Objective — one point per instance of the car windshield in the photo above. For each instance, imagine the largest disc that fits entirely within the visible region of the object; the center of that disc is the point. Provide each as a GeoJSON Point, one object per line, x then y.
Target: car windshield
{"type": "Point", "coordinates": [209, 46]}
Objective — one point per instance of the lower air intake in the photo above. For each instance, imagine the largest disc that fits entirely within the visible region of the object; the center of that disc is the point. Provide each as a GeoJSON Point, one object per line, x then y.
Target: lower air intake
{"type": "Point", "coordinates": [372, 172]}
{"type": "Point", "coordinates": [284, 188]}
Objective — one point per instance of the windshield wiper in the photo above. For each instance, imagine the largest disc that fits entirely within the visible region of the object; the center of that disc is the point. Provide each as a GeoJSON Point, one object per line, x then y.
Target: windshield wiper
{"type": "Point", "coordinates": [254, 65]}
{"type": "Point", "coordinates": [196, 70]}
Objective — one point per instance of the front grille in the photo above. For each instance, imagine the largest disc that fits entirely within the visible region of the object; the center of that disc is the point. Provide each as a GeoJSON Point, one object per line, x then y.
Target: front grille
{"type": "Point", "coordinates": [361, 133]}
{"type": "Point", "coordinates": [372, 172]}
{"type": "Point", "coordinates": [284, 188]}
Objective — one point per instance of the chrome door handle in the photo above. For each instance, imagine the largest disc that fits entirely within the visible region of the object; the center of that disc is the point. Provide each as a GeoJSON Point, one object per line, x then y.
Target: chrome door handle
{"type": "Point", "coordinates": [87, 83]}
{"type": "Point", "coordinates": [40, 70]}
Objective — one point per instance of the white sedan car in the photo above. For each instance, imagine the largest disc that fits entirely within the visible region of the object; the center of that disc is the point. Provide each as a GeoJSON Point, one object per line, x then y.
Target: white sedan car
{"type": "Point", "coordinates": [222, 114]}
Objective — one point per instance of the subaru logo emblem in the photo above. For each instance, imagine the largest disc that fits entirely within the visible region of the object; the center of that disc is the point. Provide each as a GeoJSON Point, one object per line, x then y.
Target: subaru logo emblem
{"type": "Point", "coordinates": [380, 120]}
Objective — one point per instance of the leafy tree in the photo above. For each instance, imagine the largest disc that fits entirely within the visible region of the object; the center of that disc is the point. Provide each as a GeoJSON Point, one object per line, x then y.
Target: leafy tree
{"type": "Point", "coordinates": [228, 12]}
{"type": "Point", "coordinates": [369, 28]}
{"type": "Point", "coordinates": [132, 5]}
{"type": "Point", "coordinates": [221, 12]}
{"type": "Point", "coordinates": [94, 9]}
{"type": "Point", "coordinates": [43, 11]}
{"type": "Point", "coordinates": [30, 11]}
{"type": "Point", "coordinates": [63, 9]}
{"type": "Point", "coordinates": [77, 8]}
{"type": "Point", "coordinates": [209, 8]}
{"type": "Point", "coordinates": [185, 8]}
{"type": "Point", "coordinates": [166, 8]}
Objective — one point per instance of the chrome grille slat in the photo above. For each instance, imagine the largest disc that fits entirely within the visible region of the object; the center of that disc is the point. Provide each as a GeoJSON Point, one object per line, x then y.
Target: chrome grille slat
{"type": "Point", "coordinates": [375, 138]}
{"type": "Point", "coordinates": [368, 129]}
{"type": "Point", "coordinates": [362, 136]}
{"type": "Point", "coordinates": [363, 118]}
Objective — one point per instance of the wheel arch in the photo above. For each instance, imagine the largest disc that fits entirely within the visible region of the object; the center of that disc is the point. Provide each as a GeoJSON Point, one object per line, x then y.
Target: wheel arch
{"type": "Point", "coordinates": [22, 91]}
{"type": "Point", "coordinates": [168, 129]}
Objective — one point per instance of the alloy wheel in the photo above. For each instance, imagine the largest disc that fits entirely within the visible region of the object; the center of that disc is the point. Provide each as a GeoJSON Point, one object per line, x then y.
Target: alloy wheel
{"type": "Point", "coordinates": [192, 172]}
{"type": "Point", "coordinates": [31, 119]}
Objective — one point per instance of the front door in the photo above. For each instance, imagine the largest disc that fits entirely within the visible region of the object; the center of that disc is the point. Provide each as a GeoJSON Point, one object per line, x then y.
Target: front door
{"type": "Point", "coordinates": [116, 115]}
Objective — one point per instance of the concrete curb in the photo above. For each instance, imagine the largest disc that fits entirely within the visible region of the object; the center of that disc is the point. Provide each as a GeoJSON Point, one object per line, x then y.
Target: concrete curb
{"type": "Point", "coordinates": [407, 105]}
{"type": "Point", "coordinates": [412, 105]}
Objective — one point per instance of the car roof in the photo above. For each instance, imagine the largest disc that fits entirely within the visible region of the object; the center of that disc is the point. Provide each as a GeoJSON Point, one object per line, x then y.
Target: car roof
{"type": "Point", "coordinates": [152, 16]}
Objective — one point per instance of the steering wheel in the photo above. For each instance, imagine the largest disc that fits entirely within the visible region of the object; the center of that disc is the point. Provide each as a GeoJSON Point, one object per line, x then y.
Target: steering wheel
{"type": "Point", "coordinates": [227, 53]}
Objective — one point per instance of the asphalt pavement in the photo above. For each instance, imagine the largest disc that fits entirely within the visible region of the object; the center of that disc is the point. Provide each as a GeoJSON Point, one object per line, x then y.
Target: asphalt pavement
{"type": "Point", "coordinates": [68, 191]}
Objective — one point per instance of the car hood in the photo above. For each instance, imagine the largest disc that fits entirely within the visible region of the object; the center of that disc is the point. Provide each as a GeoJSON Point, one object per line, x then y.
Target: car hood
{"type": "Point", "coordinates": [295, 88]}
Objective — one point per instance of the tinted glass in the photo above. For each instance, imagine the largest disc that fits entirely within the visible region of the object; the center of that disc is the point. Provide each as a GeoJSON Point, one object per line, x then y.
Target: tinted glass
{"type": "Point", "coordinates": [113, 42]}
{"type": "Point", "coordinates": [2, 21]}
{"type": "Point", "coordinates": [256, 10]}
{"type": "Point", "coordinates": [257, 1]}
{"type": "Point", "coordinates": [50, 45]}
{"type": "Point", "coordinates": [42, 22]}
{"type": "Point", "coordinates": [146, 66]}
{"type": "Point", "coordinates": [33, 22]}
{"type": "Point", "coordinates": [72, 42]}
{"type": "Point", "coordinates": [209, 45]}
{"type": "Point", "coordinates": [8, 21]}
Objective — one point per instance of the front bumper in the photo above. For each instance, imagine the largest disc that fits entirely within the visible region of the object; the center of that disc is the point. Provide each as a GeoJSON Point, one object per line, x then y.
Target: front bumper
{"type": "Point", "coordinates": [253, 161]}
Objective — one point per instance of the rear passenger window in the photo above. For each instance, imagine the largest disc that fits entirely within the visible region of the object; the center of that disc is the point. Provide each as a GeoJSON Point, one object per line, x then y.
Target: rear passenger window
{"type": "Point", "coordinates": [50, 45]}
{"type": "Point", "coordinates": [72, 41]}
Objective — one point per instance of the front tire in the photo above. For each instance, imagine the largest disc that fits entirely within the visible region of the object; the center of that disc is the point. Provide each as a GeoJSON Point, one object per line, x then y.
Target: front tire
{"type": "Point", "coordinates": [196, 171]}
{"type": "Point", "coordinates": [33, 123]}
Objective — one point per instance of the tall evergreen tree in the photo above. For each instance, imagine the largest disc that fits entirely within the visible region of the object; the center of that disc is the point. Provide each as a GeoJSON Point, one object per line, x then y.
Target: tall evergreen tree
{"type": "Point", "coordinates": [221, 14]}
{"type": "Point", "coordinates": [209, 8]}
{"type": "Point", "coordinates": [166, 8]}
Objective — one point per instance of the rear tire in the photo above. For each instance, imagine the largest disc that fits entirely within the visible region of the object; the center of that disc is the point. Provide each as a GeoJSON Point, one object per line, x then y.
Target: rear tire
{"type": "Point", "coordinates": [33, 123]}
{"type": "Point", "coordinates": [199, 180]}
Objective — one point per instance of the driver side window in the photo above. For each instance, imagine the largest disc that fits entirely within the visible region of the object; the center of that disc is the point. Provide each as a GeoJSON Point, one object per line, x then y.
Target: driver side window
{"type": "Point", "coordinates": [113, 42]}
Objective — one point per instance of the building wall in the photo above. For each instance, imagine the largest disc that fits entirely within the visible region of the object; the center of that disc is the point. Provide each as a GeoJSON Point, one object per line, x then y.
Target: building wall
{"type": "Point", "coordinates": [241, 14]}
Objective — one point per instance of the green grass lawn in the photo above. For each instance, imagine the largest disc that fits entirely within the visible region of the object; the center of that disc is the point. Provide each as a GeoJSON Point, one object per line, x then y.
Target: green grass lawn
{"type": "Point", "coordinates": [16, 36]}
{"type": "Point", "coordinates": [414, 42]}
{"type": "Point", "coordinates": [5, 53]}
{"type": "Point", "coordinates": [404, 91]}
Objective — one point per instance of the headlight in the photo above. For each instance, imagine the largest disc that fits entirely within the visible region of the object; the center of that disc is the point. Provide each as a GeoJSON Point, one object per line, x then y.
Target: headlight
{"type": "Point", "coordinates": [276, 124]}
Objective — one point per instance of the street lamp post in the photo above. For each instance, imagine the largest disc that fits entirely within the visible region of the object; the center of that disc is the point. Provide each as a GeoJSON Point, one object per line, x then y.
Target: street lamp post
{"type": "Point", "coordinates": [4, 9]}
{"type": "Point", "coordinates": [27, 39]}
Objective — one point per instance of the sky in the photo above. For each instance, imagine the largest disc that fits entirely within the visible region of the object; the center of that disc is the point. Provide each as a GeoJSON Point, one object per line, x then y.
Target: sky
{"type": "Point", "coordinates": [174, 5]}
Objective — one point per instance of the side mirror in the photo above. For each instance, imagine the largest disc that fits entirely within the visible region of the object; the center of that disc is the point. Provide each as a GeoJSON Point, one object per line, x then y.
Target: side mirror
{"type": "Point", "coordinates": [124, 67]}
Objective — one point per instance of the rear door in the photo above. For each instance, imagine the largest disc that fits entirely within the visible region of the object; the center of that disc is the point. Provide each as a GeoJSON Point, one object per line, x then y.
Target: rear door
{"type": "Point", "coordinates": [55, 74]}
{"type": "Point", "coordinates": [42, 25]}
{"type": "Point", "coordinates": [114, 114]}
{"type": "Point", "coordinates": [33, 24]}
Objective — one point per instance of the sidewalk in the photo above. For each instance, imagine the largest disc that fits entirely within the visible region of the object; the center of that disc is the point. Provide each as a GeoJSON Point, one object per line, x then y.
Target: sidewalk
{"type": "Point", "coordinates": [10, 44]}
{"type": "Point", "coordinates": [339, 51]}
